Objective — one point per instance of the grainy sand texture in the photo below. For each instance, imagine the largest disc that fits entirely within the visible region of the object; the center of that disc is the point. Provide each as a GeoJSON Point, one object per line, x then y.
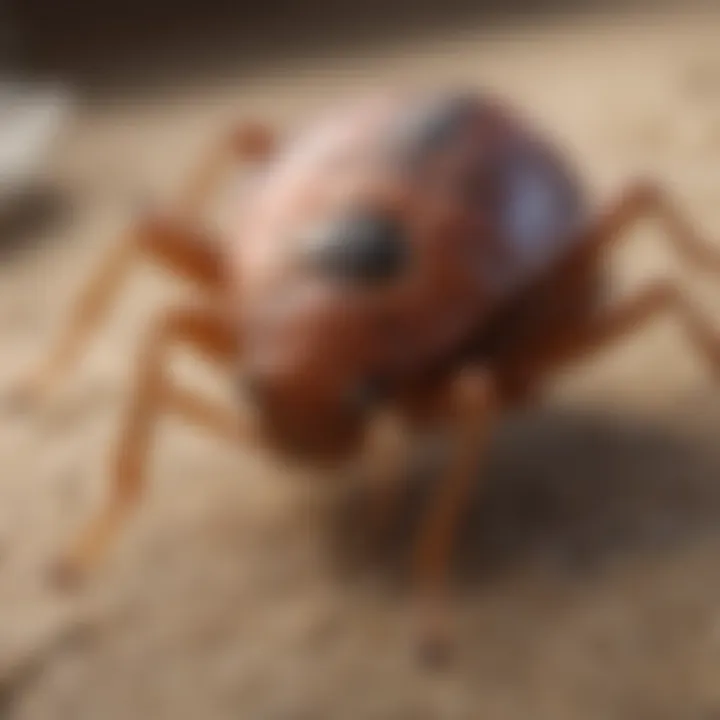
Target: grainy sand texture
{"type": "Point", "coordinates": [588, 575]}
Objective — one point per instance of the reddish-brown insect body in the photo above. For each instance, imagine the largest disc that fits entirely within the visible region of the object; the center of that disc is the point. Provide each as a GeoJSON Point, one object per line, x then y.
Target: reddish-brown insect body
{"type": "Point", "coordinates": [381, 245]}
{"type": "Point", "coordinates": [428, 259]}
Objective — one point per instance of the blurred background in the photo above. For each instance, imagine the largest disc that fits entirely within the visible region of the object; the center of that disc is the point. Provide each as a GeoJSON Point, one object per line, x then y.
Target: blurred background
{"type": "Point", "coordinates": [587, 574]}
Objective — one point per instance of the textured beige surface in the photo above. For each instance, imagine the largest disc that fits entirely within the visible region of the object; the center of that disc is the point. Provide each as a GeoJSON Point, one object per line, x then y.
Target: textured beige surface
{"type": "Point", "coordinates": [589, 583]}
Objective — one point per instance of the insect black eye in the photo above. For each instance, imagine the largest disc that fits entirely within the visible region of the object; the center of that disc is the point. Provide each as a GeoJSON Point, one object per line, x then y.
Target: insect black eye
{"type": "Point", "coordinates": [366, 247]}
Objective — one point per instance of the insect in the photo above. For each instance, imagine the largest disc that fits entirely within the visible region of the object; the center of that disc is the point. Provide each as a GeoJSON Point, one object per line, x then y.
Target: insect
{"type": "Point", "coordinates": [415, 261]}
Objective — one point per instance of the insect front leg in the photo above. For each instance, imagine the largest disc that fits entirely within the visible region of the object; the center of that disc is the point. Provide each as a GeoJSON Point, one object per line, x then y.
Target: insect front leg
{"type": "Point", "coordinates": [472, 406]}
{"type": "Point", "coordinates": [174, 243]}
{"type": "Point", "coordinates": [385, 466]}
{"type": "Point", "coordinates": [250, 141]}
{"type": "Point", "coordinates": [154, 395]}
{"type": "Point", "coordinates": [166, 244]}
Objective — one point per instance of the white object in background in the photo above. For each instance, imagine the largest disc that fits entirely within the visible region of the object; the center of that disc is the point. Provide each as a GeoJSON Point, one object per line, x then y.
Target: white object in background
{"type": "Point", "coordinates": [31, 119]}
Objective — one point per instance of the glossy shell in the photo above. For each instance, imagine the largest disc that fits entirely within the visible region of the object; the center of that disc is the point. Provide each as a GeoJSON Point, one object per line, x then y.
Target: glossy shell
{"type": "Point", "coordinates": [379, 239]}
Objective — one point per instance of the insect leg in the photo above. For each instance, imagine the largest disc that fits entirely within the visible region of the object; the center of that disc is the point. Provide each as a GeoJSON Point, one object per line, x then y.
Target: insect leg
{"type": "Point", "coordinates": [385, 455]}
{"type": "Point", "coordinates": [647, 200]}
{"type": "Point", "coordinates": [610, 325]}
{"type": "Point", "coordinates": [471, 401]}
{"type": "Point", "coordinates": [249, 141]}
{"type": "Point", "coordinates": [172, 246]}
{"type": "Point", "coordinates": [154, 394]}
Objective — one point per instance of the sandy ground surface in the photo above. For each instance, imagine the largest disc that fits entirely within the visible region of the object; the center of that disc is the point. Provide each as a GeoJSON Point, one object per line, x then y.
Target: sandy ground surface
{"type": "Point", "coordinates": [588, 582]}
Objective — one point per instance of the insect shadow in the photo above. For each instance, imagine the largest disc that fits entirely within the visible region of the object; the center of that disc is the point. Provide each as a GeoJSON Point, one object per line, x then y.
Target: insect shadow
{"type": "Point", "coordinates": [571, 489]}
